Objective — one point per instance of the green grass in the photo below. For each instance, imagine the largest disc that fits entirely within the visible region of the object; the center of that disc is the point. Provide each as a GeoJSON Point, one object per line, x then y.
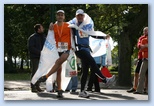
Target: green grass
{"type": "Point", "coordinates": [17, 76]}
{"type": "Point", "coordinates": [116, 73]}
{"type": "Point", "coordinates": [26, 76]}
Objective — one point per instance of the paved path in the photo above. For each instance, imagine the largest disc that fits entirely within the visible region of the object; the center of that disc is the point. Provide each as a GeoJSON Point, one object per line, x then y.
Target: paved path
{"type": "Point", "coordinates": [20, 90]}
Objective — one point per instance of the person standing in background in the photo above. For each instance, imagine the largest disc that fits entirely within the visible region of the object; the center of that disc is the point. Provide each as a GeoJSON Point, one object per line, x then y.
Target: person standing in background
{"type": "Point", "coordinates": [35, 46]}
{"type": "Point", "coordinates": [144, 66]}
{"type": "Point", "coordinates": [73, 85]}
{"type": "Point", "coordinates": [139, 62]}
{"type": "Point", "coordinates": [101, 62]}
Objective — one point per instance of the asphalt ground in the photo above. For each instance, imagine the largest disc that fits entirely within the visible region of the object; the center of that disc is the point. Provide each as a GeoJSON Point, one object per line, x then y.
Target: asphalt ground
{"type": "Point", "coordinates": [20, 90]}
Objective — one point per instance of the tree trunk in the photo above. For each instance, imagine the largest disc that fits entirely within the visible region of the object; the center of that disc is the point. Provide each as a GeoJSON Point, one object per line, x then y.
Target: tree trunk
{"type": "Point", "coordinates": [124, 69]}
{"type": "Point", "coordinates": [15, 63]}
{"type": "Point", "coordinates": [21, 65]}
{"type": "Point", "coordinates": [126, 45]}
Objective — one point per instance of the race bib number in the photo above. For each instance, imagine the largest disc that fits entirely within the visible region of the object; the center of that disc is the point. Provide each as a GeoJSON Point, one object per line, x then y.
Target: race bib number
{"type": "Point", "coordinates": [82, 35]}
{"type": "Point", "coordinates": [62, 46]}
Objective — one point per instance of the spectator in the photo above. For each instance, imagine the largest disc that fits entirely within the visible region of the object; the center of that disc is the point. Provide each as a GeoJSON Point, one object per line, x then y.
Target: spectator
{"type": "Point", "coordinates": [144, 65]}
{"type": "Point", "coordinates": [35, 46]}
{"type": "Point", "coordinates": [139, 62]}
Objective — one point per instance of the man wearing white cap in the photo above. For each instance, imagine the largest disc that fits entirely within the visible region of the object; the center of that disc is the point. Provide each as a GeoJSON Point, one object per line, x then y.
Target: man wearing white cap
{"type": "Point", "coordinates": [84, 22]}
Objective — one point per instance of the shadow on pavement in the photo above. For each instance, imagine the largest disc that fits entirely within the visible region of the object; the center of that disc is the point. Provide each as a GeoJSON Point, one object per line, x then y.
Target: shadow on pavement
{"type": "Point", "coordinates": [112, 95]}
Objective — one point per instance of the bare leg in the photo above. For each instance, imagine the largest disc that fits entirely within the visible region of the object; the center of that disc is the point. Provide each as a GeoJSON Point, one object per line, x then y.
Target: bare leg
{"type": "Point", "coordinates": [59, 78]}
{"type": "Point", "coordinates": [56, 67]}
{"type": "Point", "coordinates": [58, 64]}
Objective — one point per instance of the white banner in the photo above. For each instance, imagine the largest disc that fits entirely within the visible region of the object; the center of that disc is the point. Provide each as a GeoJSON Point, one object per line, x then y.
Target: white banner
{"type": "Point", "coordinates": [49, 55]}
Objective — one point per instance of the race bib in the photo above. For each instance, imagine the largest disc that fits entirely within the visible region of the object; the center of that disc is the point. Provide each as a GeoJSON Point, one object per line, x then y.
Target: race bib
{"type": "Point", "coordinates": [62, 46]}
{"type": "Point", "coordinates": [82, 35]}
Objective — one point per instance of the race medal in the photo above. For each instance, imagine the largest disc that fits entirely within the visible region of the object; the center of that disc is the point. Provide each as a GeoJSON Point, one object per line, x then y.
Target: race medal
{"type": "Point", "coordinates": [62, 46]}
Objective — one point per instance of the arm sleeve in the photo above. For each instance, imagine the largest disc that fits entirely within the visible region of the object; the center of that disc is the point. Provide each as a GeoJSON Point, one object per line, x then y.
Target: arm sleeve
{"type": "Point", "coordinates": [98, 37]}
{"type": "Point", "coordinates": [139, 42]}
{"type": "Point", "coordinates": [32, 46]}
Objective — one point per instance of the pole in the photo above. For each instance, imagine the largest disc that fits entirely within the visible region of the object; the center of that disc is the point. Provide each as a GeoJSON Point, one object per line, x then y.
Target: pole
{"type": "Point", "coordinates": [52, 13]}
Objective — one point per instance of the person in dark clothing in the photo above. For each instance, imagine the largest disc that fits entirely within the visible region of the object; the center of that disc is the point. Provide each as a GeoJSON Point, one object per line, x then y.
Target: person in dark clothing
{"type": "Point", "coordinates": [101, 62]}
{"type": "Point", "coordinates": [93, 80]}
{"type": "Point", "coordinates": [83, 21]}
{"type": "Point", "coordinates": [35, 46]}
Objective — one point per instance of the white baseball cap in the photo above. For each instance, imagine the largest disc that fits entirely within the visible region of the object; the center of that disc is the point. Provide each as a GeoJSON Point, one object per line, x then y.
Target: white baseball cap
{"type": "Point", "coordinates": [79, 11]}
{"type": "Point", "coordinates": [61, 11]}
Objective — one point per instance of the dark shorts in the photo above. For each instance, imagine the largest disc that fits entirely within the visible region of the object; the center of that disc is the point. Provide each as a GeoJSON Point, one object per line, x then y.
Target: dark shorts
{"type": "Point", "coordinates": [139, 63]}
{"type": "Point", "coordinates": [60, 53]}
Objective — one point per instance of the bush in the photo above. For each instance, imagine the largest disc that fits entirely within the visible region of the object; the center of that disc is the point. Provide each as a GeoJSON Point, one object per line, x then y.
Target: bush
{"type": "Point", "coordinates": [113, 68]}
{"type": "Point", "coordinates": [8, 68]}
